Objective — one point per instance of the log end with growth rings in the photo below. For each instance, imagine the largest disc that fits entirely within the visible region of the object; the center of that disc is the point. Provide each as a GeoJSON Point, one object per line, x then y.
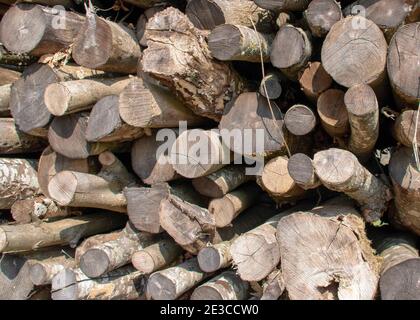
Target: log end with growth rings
{"type": "Point", "coordinates": [62, 187]}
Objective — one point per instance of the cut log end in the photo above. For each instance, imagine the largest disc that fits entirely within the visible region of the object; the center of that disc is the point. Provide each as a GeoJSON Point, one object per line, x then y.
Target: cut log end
{"type": "Point", "coordinates": [333, 112]}
{"type": "Point", "coordinates": [94, 263]}
{"type": "Point", "coordinates": [37, 274]}
{"type": "Point", "coordinates": [143, 261]}
{"type": "Point", "coordinates": [225, 41]}
{"type": "Point", "coordinates": [209, 259]}
{"type": "Point", "coordinates": [62, 187]}
{"type": "Point", "coordinates": [160, 287]}
{"type": "Point", "coordinates": [301, 170]}
{"type": "Point", "coordinates": [57, 98]}
{"type": "Point", "coordinates": [300, 120]}
{"type": "Point", "coordinates": [206, 293]}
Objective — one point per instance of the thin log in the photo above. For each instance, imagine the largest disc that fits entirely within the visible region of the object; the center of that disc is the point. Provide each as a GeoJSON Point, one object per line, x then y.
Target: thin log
{"type": "Point", "coordinates": [215, 257]}
{"type": "Point", "coordinates": [285, 18]}
{"type": "Point", "coordinates": [339, 170]}
{"type": "Point", "coordinates": [300, 120]}
{"type": "Point", "coordinates": [42, 272]}
{"type": "Point", "coordinates": [333, 113]}
{"type": "Point", "coordinates": [5, 91]}
{"type": "Point", "coordinates": [115, 172]}
{"type": "Point", "coordinates": [145, 3]}
{"type": "Point", "coordinates": [92, 241]}
{"type": "Point", "coordinates": [272, 84]}
{"type": "Point", "coordinates": [405, 127]}
{"type": "Point", "coordinates": [321, 16]}
{"type": "Point", "coordinates": [283, 5]}
{"type": "Point", "coordinates": [301, 170]}
{"type": "Point", "coordinates": [273, 286]}
{"type": "Point", "coordinates": [314, 80]}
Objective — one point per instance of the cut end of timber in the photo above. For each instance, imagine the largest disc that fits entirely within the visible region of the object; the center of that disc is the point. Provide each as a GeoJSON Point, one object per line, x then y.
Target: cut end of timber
{"type": "Point", "coordinates": [300, 120]}
{"type": "Point", "coordinates": [64, 285]}
{"type": "Point", "coordinates": [360, 100]}
{"type": "Point", "coordinates": [143, 261]}
{"type": "Point", "coordinates": [206, 293]}
{"type": "Point", "coordinates": [107, 158]}
{"type": "Point", "coordinates": [62, 187]}
{"type": "Point", "coordinates": [211, 190]}
{"type": "Point", "coordinates": [209, 259]}
{"type": "Point", "coordinates": [3, 240]}
{"type": "Point", "coordinates": [224, 41]}
{"type": "Point", "coordinates": [300, 168]}
{"type": "Point", "coordinates": [204, 14]}
{"type": "Point", "coordinates": [57, 98]}
{"type": "Point", "coordinates": [160, 287]}
{"type": "Point", "coordinates": [37, 274]}
{"type": "Point", "coordinates": [222, 211]}
{"type": "Point", "coordinates": [94, 263]}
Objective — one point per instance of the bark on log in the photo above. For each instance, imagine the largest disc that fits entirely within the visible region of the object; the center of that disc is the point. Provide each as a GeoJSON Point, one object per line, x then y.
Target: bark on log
{"type": "Point", "coordinates": [295, 57]}
{"type": "Point", "coordinates": [405, 179]}
{"type": "Point", "coordinates": [73, 96]}
{"type": "Point", "coordinates": [363, 113]}
{"type": "Point", "coordinates": [146, 105]}
{"type": "Point", "coordinates": [402, 64]}
{"type": "Point", "coordinates": [339, 170]}
{"type": "Point", "coordinates": [273, 286]}
{"type": "Point", "coordinates": [202, 83]}
{"type": "Point", "coordinates": [7, 76]}
{"type": "Point", "coordinates": [301, 170]}
{"type": "Point", "coordinates": [114, 171]}
{"type": "Point", "coordinates": [219, 183]}
{"type": "Point", "coordinates": [124, 283]}
{"type": "Point", "coordinates": [333, 113]}
{"type": "Point", "coordinates": [144, 3]}
{"type": "Point", "coordinates": [314, 80]}
{"type": "Point", "coordinates": [15, 61]}
{"type": "Point", "coordinates": [228, 42]}
{"type": "Point", "coordinates": [404, 128]}
{"type": "Point", "coordinates": [66, 231]}
{"type": "Point", "coordinates": [325, 255]}
{"type": "Point", "coordinates": [300, 120]}
{"type": "Point", "coordinates": [39, 30]}
{"type": "Point", "coordinates": [156, 256]}
{"type": "Point", "coordinates": [18, 181]}
{"type": "Point", "coordinates": [321, 15]}
{"type": "Point", "coordinates": [206, 14]}
{"type": "Point", "coordinates": [171, 283]}
{"type": "Point", "coordinates": [283, 5]}
{"type": "Point", "coordinates": [215, 257]}
{"type": "Point", "coordinates": [270, 86]}
{"type": "Point", "coordinates": [41, 272]}
{"type": "Point", "coordinates": [106, 45]}
{"type": "Point", "coordinates": [92, 241]}
{"type": "Point", "coordinates": [225, 286]}
{"type": "Point", "coordinates": [5, 91]}
{"type": "Point", "coordinates": [14, 141]}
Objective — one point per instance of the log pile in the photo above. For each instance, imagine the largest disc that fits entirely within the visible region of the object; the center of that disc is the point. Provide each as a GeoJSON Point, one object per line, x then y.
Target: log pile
{"type": "Point", "coordinates": [210, 149]}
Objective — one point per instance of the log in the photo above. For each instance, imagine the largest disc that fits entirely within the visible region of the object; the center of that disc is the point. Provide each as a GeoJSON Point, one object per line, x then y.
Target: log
{"type": "Point", "coordinates": [200, 82]}
{"type": "Point", "coordinates": [77, 189]}
{"type": "Point", "coordinates": [221, 182]}
{"type": "Point", "coordinates": [270, 86]}
{"type": "Point", "coordinates": [18, 181]}
{"type": "Point", "coordinates": [362, 36]}
{"type": "Point", "coordinates": [273, 286]}
{"type": "Point", "coordinates": [145, 3]}
{"type": "Point", "coordinates": [65, 3]}
{"type": "Point", "coordinates": [198, 153]}
{"type": "Point", "coordinates": [150, 161]}
{"type": "Point", "coordinates": [5, 91]}
{"type": "Point", "coordinates": [283, 5]}
{"type": "Point", "coordinates": [68, 231]}
{"type": "Point", "coordinates": [321, 15]}
{"type": "Point", "coordinates": [156, 256]}
{"type": "Point", "coordinates": [106, 45]}
{"type": "Point", "coordinates": [314, 80]}
{"type": "Point", "coordinates": [73, 96]}
{"type": "Point", "coordinates": [39, 30]}
{"type": "Point", "coordinates": [405, 179]}
{"type": "Point", "coordinates": [405, 127]}
{"type": "Point", "coordinates": [7, 76]}
{"type": "Point", "coordinates": [227, 208]}
{"type": "Point", "coordinates": [124, 283]}
{"type": "Point", "coordinates": [146, 105]}
{"type": "Point", "coordinates": [295, 57]}
{"type": "Point", "coordinates": [14, 141]}
{"type": "Point", "coordinates": [301, 170]}
{"type": "Point", "coordinates": [300, 120]}
{"type": "Point", "coordinates": [42, 272]}
{"type": "Point", "coordinates": [333, 113]}
{"type": "Point", "coordinates": [215, 257]}
{"type": "Point", "coordinates": [318, 255]}
{"type": "Point", "coordinates": [285, 18]}
{"type": "Point", "coordinates": [228, 42]}
{"type": "Point", "coordinates": [206, 14]}
{"type": "Point", "coordinates": [13, 60]}
{"type": "Point", "coordinates": [110, 255]}
{"type": "Point", "coordinates": [142, 21]}
{"type": "Point", "coordinates": [363, 113]}
{"type": "Point", "coordinates": [92, 241]}
{"type": "Point", "coordinates": [171, 283]}
{"type": "Point", "coordinates": [403, 59]}
{"type": "Point", "coordinates": [114, 171]}
{"type": "Point", "coordinates": [339, 170]}
{"type": "Point", "coordinates": [225, 286]}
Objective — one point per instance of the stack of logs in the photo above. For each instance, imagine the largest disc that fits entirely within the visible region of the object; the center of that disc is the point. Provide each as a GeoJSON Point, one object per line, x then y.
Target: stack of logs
{"type": "Point", "coordinates": [98, 202]}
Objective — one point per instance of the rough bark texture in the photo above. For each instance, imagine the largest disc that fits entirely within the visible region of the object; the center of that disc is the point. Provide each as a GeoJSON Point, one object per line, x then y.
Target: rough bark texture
{"type": "Point", "coordinates": [332, 112]}
{"type": "Point", "coordinates": [301, 170]}
{"type": "Point", "coordinates": [321, 16]}
{"type": "Point", "coordinates": [42, 272]}
{"type": "Point", "coordinates": [405, 127]}
{"type": "Point", "coordinates": [314, 80]}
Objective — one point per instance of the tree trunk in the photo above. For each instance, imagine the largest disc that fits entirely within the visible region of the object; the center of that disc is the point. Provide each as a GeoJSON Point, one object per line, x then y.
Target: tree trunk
{"type": "Point", "coordinates": [333, 113]}
{"type": "Point", "coordinates": [321, 16]}
{"type": "Point", "coordinates": [363, 113]}
{"type": "Point", "coordinates": [225, 286]}
{"type": "Point", "coordinates": [206, 14]}
{"type": "Point", "coordinates": [314, 80]}
{"type": "Point", "coordinates": [73, 96]}
{"type": "Point", "coordinates": [270, 86]}
{"type": "Point", "coordinates": [215, 257]}
{"type": "Point", "coordinates": [405, 127]}
{"type": "Point", "coordinates": [18, 180]}
{"type": "Point", "coordinates": [339, 170]}
{"type": "Point", "coordinates": [5, 91]}
{"type": "Point", "coordinates": [39, 30]}
{"type": "Point", "coordinates": [283, 5]}
{"type": "Point", "coordinates": [68, 231]}
{"type": "Point", "coordinates": [228, 42]}
{"type": "Point", "coordinates": [202, 83]}
{"type": "Point", "coordinates": [325, 255]}
{"type": "Point", "coordinates": [300, 120]}
{"type": "Point", "coordinates": [41, 272]}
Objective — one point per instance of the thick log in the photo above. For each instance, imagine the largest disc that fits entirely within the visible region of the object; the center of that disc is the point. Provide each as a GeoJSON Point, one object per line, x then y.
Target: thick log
{"type": "Point", "coordinates": [300, 120]}
{"type": "Point", "coordinates": [225, 286]}
{"type": "Point", "coordinates": [215, 257]}
{"type": "Point", "coordinates": [333, 113]}
{"type": "Point", "coordinates": [18, 180]}
{"type": "Point", "coordinates": [142, 21]}
{"type": "Point", "coordinates": [402, 64]}
{"type": "Point", "coordinates": [339, 170]}
{"type": "Point", "coordinates": [198, 153]}
{"type": "Point", "coordinates": [321, 16]}
{"type": "Point", "coordinates": [78, 95]}
{"type": "Point", "coordinates": [39, 30]}
{"type": "Point", "coordinates": [325, 255]}
{"type": "Point", "coordinates": [314, 80]}
{"type": "Point", "coordinates": [7, 76]}
{"type": "Point", "coordinates": [219, 183]}
{"type": "Point", "coordinates": [92, 241]}
{"type": "Point", "coordinates": [301, 170]}
{"type": "Point", "coordinates": [202, 83]}
{"type": "Point", "coordinates": [14, 141]}
{"type": "Point", "coordinates": [405, 178]}
{"type": "Point", "coordinates": [270, 86]}
{"type": "Point", "coordinates": [228, 42]}
{"type": "Point", "coordinates": [171, 283]}
{"type": "Point", "coordinates": [124, 283]}
{"type": "Point", "coordinates": [405, 127]}
{"type": "Point", "coordinates": [283, 5]}
{"type": "Point", "coordinates": [363, 112]}
{"type": "Point", "coordinates": [5, 91]}
{"type": "Point", "coordinates": [206, 14]}
{"type": "Point", "coordinates": [365, 39]}
{"type": "Point", "coordinates": [41, 272]}
{"type": "Point", "coordinates": [227, 208]}
{"type": "Point", "coordinates": [156, 256]}
{"type": "Point", "coordinates": [295, 57]}
{"type": "Point", "coordinates": [106, 45]}
{"type": "Point", "coordinates": [147, 105]}
{"type": "Point", "coordinates": [68, 231]}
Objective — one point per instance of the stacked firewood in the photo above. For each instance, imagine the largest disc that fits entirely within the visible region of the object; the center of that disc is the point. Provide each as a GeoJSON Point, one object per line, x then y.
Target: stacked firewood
{"type": "Point", "coordinates": [106, 193]}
